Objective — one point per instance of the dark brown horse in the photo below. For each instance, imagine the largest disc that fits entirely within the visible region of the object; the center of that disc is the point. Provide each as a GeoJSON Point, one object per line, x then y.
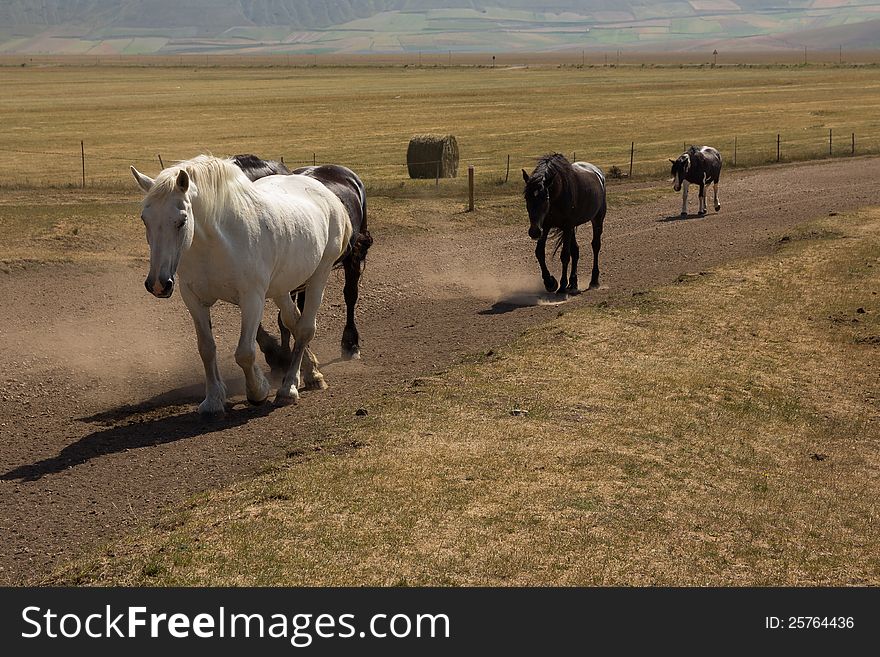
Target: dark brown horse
{"type": "Point", "coordinates": [561, 196]}
{"type": "Point", "coordinates": [349, 188]}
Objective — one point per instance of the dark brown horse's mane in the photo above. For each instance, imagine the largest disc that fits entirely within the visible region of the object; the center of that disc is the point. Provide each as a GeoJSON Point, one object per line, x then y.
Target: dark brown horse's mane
{"type": "Point", "coordinates": [551, 168]}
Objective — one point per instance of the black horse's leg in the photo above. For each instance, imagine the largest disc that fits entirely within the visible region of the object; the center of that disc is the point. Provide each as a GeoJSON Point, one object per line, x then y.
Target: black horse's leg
{"type": "Point", "coordinates": [597, 245]}
{"type": "Point", "coordinates": [312, 378]}
{"type": "Point", "coordinates": [350, 337]}
{"type": "Point", "coordinates": [565, 257]}
{"type": "Point", "coordinates": [285, 336]}
{"type": "Point", "coordinates": [575, 256]}
{"type": "Point", "coordinates": [550, 283]}
{"type": "Point", "coordinates": [277, 356]}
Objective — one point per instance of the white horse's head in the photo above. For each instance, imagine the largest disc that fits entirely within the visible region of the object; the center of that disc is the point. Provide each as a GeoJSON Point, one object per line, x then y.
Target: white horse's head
{"type": "Point", "coordinates": [168, 217]}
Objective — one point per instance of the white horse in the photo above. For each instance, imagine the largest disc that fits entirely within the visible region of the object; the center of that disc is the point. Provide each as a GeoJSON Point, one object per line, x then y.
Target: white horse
{"type": "Point", "coordinates": [227, 238]}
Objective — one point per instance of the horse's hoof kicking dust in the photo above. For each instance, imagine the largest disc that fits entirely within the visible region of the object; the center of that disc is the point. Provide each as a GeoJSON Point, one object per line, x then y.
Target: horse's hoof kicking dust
{"type": "Point", "coordinates": [353, 353]}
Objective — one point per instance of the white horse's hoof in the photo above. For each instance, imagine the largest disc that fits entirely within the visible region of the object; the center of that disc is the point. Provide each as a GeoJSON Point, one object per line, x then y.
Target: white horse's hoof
{"type": "Point", "coordinates": [261, 395]}
{"type": "Point", "coordinates": [316, 383]}
{"type": "Point", "coordinates": [285, 399]}
{"type": "Point", "coordinates": [212, 408]}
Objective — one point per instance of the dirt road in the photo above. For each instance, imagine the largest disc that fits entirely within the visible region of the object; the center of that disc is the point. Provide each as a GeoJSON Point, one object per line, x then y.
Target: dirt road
{"type": "Point", "coordinates": [99, 380]}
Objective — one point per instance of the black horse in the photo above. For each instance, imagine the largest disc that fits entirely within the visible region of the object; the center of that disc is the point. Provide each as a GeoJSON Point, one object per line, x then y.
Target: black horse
{"type": "Point", "coordinates": [561, 196]}
{"type": "Point", "coordinates": [349, 188]}
{"type": "Point", "coordinates": [700, 165]}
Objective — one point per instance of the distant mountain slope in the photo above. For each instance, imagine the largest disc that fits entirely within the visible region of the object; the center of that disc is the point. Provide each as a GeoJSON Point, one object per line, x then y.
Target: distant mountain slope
{"type": "Point", "coordinates": [260, 26]}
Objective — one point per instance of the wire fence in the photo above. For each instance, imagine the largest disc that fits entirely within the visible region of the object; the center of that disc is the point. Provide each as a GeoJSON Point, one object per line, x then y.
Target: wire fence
{"type": "Point", "coordinates": [80, 165]}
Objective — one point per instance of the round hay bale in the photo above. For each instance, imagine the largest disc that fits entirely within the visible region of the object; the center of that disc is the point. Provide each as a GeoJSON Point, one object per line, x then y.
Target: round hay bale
{"type": "Point", "coordinates": [430, 156]}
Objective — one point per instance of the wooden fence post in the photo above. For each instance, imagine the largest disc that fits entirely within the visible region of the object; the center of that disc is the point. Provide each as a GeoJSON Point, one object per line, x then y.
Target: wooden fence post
{"type": "Point", "coordinates": [507, 172]}
{"type": "Point", "coordinates": [853, 143]}
{"type": "Point", "coordinates": [777, 147]}
{"type": "Point", "coordinates": [632, 152]}
{"type": "Point", "coordinates": [82, 150]}
{"type": "Point", "coordinates": [830, 151]}
{"type": "Point", "coordinates": [314, 159]}
{"type": "Point", "coordinates": [734, 151]}
{"type": "Point", "coordinates": [161, 163]}
{"type": "Point", "coordinates": [470, 188]}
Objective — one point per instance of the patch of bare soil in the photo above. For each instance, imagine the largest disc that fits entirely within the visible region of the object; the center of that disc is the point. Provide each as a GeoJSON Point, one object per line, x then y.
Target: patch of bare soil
{"type": "Point", "coordinates": [100, 380]}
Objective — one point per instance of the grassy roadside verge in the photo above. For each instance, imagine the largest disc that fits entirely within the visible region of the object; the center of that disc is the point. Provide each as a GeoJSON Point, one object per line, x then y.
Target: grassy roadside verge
{"type": "Point", "coordinates": [721, 430]}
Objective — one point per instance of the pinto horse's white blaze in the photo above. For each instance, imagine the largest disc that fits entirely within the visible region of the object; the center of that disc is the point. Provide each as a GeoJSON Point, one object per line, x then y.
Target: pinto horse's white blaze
{"type": "Point", "coordinates": [226, 238]}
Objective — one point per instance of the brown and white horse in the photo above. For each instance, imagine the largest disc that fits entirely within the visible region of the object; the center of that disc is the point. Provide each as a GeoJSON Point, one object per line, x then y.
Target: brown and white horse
{"type": "Point", "coordinates": [699, 165]}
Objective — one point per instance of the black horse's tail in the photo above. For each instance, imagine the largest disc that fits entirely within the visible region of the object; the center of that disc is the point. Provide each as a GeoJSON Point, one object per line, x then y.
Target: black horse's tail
{"type": "Point", "coordinates": [557, 237]}
{"type": "Point", "coordinates": [361, 240]}
{"type": "Point", "coordinates": [360, 246]}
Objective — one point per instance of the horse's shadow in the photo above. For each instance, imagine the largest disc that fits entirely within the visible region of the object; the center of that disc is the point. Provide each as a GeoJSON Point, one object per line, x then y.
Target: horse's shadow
{"type": "Point", "coordinates": [135, 435]}
{"type": "Point", "coordinates": [527, 300]}
{"type": "Point", "coordinates": [191, 394]}
{"type": "Point", "coordinates": [679, 217]}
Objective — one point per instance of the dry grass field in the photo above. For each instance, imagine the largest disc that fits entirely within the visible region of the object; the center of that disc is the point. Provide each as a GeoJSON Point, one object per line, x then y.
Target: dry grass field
{"type": "Point", "coordinates": [364, 117]}
{"type": "Point", "coordinates": [722, 430]}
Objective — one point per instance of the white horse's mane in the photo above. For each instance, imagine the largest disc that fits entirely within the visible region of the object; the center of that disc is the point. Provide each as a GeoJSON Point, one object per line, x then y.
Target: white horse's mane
{"type": "Point", "coordinates": [222, 188]}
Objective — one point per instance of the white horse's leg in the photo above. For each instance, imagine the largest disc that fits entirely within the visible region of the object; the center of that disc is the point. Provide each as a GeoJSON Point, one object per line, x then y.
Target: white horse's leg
{"type": "Point", "coordinates": [312, 378]}
{"type": "Point", "coordinates": [245, 354]}
{"type": "Point", "coordinates": [702, 199]}
{"type": "Point", "coordinates": [303, 333]}
{"type": "Point", "coordinates": [684, 198]}
{"type": "Point", "coordinates": [715, 192]}
{"type": "Point", "coordinates": [215, 389]}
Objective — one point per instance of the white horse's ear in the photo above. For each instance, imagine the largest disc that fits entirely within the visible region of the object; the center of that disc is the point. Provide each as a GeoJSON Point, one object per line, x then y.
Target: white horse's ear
{"type": "Point", "coordinates": [525, 175]}
{"type": "Point", "coordinates": [144, 182]}
{"type": "Point", "coordinates": [182, 181]}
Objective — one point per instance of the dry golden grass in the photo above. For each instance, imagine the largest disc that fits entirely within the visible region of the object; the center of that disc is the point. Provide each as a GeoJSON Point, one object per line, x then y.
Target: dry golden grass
{"type": "Point", "coordinates": [364, 117]}
{"type": "Point", "coordinates": [719, 431]}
